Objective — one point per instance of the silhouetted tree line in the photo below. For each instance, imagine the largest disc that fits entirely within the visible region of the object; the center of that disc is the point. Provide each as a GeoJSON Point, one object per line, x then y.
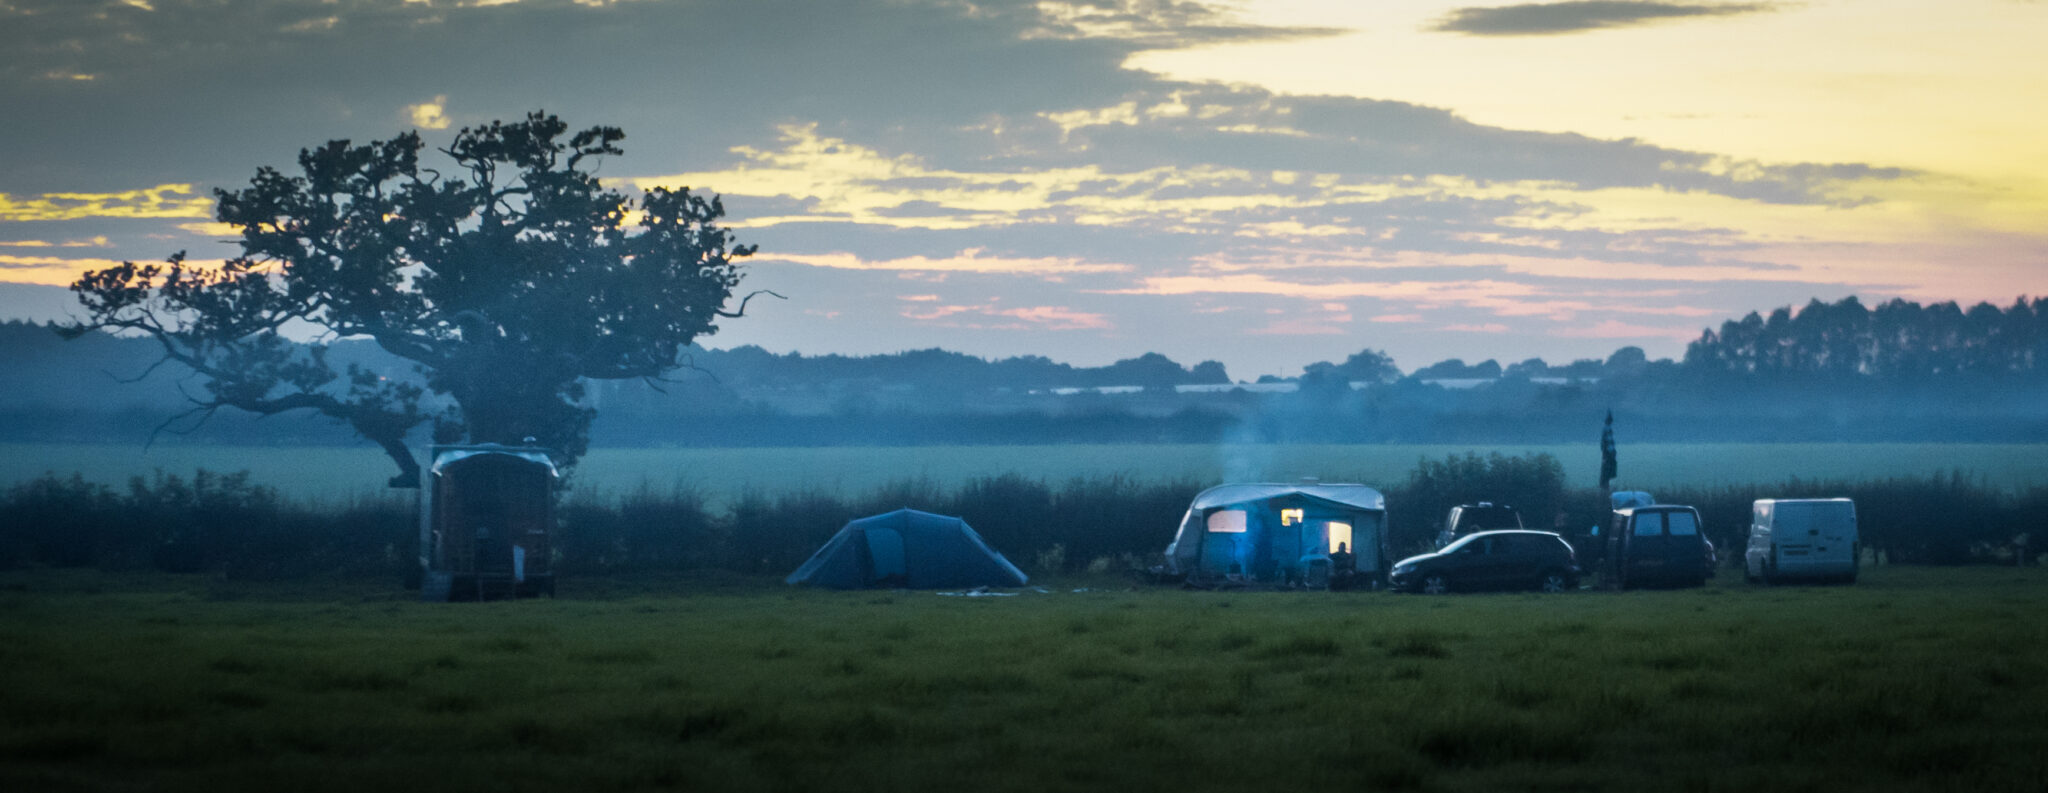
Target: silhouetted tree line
{"type": "Point", "coordinates": [1899, 340]}
{"type": "Point", "coordinates": [224, 525]}
{"type": "Point", "coordinates": [1830, 372]}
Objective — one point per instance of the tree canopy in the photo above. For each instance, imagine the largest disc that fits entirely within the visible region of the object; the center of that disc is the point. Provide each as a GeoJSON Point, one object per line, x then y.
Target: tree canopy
{"type": "Point", "coordinates": [1898, 340]}
{"type": "Point", "coordinates": [507, 281]}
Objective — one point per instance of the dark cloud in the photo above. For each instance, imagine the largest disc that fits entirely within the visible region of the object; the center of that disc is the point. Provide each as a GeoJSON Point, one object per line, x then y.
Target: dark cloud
{"type": "Point", "coordinates": [1545, 19]}
{"type": "Point", "coordinates": [1249, 128]}
{"type": "Point", "coordinates": [980, 97]}
{"type": "Point", "coordinates": [205, 89]}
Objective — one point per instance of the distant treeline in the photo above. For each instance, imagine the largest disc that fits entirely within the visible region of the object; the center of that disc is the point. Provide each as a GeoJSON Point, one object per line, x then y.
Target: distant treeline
{"type": "Point", "coordinates": [1899, 340]}
{"type": "Point", "coordinates": [1830, 372]}
{"type": "Point", "coordinates": [225, 525]}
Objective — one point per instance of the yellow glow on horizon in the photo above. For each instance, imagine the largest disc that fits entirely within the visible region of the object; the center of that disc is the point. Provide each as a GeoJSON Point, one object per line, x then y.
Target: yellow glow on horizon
{"type": "Point", "coordinates": [60, 271]}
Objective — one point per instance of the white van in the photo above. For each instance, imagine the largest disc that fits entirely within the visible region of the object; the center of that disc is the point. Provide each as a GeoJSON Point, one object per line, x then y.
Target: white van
{"type": "Point", "coordinates": [1811, 538]}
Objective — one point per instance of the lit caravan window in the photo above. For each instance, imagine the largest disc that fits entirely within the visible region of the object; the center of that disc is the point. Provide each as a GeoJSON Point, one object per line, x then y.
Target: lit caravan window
{"type": "Point", "coordinates": [1683, 524]}
{"type": "Point", "coordinates": [1290, 517]}
{"type": "Point", "coordinates": [1340, 534]}
{"type": "Point", "coordinates": [1649, 524]}
{"type": "Point", "coordinates": [1226, 521]}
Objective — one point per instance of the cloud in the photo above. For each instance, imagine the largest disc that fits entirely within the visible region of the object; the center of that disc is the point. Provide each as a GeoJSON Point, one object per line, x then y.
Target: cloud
{"type": "Point", "coordinates": [429, 115]}
{"type": "Point", "coordinates": [1542, 19]}
{"type": "Point", "coordinates": [918, 71]}
{"type": "Point", "coordinates": [48, 270]}
{"type": "Point", "coordinates": [972, 260]}
{"type": "Point", "coordinates": [991, 316]}
{"type": "Point", "coordinates": [960, 149]}
{"type": "Point", "coordinates": [95, 242]}
{"type": "Point", "coordinates": [1154, 24]}
{"type": "Point", "coordinates": [161, 201]}
{"type": "Point", "coordinates": [1300, 326]}
{"type": "Point", "coordinates": [1490, 327]}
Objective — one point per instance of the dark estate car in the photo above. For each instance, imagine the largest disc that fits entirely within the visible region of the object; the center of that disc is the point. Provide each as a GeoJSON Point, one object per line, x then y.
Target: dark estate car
{"type": "Point", "coordinates": [1513, 559]}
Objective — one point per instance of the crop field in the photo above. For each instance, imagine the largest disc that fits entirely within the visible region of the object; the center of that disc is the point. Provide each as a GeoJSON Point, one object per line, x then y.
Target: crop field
{"type": "Point", "coordinates": [334, 473]}
{"type": "Point", "coordinates": [1915, 679]}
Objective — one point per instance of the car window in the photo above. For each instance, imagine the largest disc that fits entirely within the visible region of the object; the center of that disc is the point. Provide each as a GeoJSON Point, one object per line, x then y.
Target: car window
{"type": "Point", "coordinates": [1684, 524]}
{"type": "Point", "coordinates": [1649, 524]}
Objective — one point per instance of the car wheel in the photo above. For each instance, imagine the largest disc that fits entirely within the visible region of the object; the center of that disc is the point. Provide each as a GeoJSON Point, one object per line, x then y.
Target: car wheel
{"type": "Point", "coordinates": [1435, 584]}
{"type": "Point", "coordinates": [1554, 581]}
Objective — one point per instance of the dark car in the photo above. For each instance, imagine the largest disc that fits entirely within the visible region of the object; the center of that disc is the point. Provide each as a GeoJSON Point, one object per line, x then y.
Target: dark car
{"type": "Point", "coordinates": [1513, 559]}
{"type": "Point", "coordinates": [1659, 545]}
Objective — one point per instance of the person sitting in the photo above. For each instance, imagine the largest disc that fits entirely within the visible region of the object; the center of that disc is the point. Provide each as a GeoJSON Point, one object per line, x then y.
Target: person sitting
{"type": "Point", "coordinates": [1341, 559]}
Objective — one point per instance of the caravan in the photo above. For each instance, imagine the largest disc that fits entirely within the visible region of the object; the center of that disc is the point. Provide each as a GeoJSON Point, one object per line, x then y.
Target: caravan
{"type": "Point", "coordinates": [1810, 538]}
{"type": "Point", "coordinates": [1309, 535]}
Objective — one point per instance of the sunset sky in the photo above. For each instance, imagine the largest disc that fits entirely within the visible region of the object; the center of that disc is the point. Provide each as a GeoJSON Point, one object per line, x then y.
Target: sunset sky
{"type": "Point", "coordinates": [1262, 183]}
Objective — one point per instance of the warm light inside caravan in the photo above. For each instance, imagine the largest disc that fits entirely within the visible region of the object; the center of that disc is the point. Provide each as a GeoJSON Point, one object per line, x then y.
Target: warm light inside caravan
{"type": "Point", "coordinates": [1227, 521]}
{"type": "Point", "coordinates": [1290, 517]}
{"type": "Point", "coordinates": [1340, 534]}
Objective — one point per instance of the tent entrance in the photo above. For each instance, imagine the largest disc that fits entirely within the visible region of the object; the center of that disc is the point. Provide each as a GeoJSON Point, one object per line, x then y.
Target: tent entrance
{"type": "Point", "coordinates": [885, 555]}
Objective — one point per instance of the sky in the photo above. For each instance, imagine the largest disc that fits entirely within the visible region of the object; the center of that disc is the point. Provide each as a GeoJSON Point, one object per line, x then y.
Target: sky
{"type": "Point", "coordinates": [1266, 183]}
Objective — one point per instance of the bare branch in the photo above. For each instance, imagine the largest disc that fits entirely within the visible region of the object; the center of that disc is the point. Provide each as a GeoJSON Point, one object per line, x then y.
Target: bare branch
{"type": "Point", "coordinates": [138, 378]}
{"type": "Point", "coordinates": [743, 303]}
{"type": "Point", "coordinates": [204, 411]}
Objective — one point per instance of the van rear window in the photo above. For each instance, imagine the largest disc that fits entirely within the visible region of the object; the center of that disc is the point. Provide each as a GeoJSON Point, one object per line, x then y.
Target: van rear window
{"type": "Point", "coordinates": [1683, 524]}
{"type": "Point", "coordinates": [1649, 524]}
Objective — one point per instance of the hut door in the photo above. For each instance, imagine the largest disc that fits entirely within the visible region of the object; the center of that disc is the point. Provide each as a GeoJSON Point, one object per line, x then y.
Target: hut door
{"type": "Point", "coordinates": [885, 550]}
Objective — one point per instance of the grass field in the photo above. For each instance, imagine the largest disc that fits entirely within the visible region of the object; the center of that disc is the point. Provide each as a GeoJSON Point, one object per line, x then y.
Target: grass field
{"type": "Point", "coordinates": [335, 473]}
{"type": "Point", "coordinates": [1915, 679]}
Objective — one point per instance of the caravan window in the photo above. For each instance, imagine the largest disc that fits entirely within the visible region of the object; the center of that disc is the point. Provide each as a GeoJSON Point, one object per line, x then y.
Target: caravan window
{"type": "Point", "coordinates": [1227, 521]}
{"type": "Point", "coordinates": [1683, 524]}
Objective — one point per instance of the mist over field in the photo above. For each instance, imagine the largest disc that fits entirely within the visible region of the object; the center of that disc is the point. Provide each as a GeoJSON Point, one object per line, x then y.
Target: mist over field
{"type": "Point", "coordinates": [331, 474]}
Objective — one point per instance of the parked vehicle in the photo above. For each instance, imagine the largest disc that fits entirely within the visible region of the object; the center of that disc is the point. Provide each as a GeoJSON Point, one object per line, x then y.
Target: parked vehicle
{"type": "Point", "coordinates": [1802, 538]}
{"type": "Point", "coordinates": [1466, 519]}
{"type": "Point", "coordinates": [1592, 542]}
{"type": "Point", "coordinates": [1513, 559]}
{"type": "Point", "coordinates": [1660, 544]}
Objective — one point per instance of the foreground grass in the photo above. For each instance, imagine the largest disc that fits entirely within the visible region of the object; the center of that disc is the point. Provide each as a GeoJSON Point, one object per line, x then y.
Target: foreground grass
{"type": "Point", "coordinates": [1914, 679]}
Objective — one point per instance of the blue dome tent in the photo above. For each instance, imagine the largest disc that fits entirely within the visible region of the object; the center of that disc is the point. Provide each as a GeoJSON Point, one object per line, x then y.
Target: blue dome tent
{"type": "Point", "coordinates": [907, 549]}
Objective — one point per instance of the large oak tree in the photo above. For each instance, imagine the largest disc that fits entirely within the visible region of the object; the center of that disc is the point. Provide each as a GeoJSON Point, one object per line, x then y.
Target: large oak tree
{"type": "Point", "coordinates": [508, 280]}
